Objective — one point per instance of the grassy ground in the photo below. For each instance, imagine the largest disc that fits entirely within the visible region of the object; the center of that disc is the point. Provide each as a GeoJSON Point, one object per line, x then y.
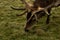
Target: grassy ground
{"type": "Point", "coordinates": [12, 26]}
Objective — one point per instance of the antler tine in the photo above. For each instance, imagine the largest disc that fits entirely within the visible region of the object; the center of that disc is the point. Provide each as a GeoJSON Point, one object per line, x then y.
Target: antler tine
{"type": "Point", "coordinates": [18, 8]}
{"type": "Point", "coordinates": [26, 3]}
{"type": "Point", "coordinates": [23, 13]}
{"type": "Point", "coordinates": [49, 6]}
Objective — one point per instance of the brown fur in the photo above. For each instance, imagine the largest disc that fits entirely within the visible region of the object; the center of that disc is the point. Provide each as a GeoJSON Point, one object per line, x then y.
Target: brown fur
{"type": "Point", "coordinates": [42, 4]}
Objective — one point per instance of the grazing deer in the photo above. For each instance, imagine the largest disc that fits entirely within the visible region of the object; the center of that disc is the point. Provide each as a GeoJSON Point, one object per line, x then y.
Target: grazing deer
{"type": "Point", "coordinates": [38, 9]}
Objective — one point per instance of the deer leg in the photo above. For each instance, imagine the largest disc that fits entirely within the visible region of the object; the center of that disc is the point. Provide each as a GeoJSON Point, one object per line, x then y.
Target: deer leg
{"type": "Point", "coordinates": [48, 16]}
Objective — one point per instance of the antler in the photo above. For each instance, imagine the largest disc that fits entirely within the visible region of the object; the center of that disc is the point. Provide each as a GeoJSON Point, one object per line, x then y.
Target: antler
{"type": "Point", "coordinates": [18, 8]}
{"type": "Point", "coordinates": [28, 7]}
{"type": "Point", "coordinates": [41, 9]}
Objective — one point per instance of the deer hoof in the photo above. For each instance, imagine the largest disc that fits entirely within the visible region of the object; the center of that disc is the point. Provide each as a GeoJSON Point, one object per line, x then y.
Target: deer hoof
{"type": "Point", "coordinates": [26, 30]}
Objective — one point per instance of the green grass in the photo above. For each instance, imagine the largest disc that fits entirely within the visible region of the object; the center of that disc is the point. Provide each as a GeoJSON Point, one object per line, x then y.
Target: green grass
{"type": "Point", "coordinates": [12, 26]}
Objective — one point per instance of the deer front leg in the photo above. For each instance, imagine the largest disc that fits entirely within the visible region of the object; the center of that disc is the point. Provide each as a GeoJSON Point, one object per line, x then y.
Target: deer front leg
{"type": "Point", "coordinates": [48, 16]}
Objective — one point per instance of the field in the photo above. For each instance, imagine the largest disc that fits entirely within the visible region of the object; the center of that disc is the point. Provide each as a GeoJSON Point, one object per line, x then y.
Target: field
{"type": "Point", "coordinates": [12, 26]}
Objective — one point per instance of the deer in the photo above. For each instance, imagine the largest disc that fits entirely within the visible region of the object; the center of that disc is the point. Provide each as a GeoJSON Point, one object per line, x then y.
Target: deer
{"type": "Point", "coordinates": [38, 9]}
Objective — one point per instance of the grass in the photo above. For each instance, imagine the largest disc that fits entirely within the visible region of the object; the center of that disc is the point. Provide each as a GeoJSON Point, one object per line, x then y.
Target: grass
{"type": "Point", "coordinates": [12, 26]}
